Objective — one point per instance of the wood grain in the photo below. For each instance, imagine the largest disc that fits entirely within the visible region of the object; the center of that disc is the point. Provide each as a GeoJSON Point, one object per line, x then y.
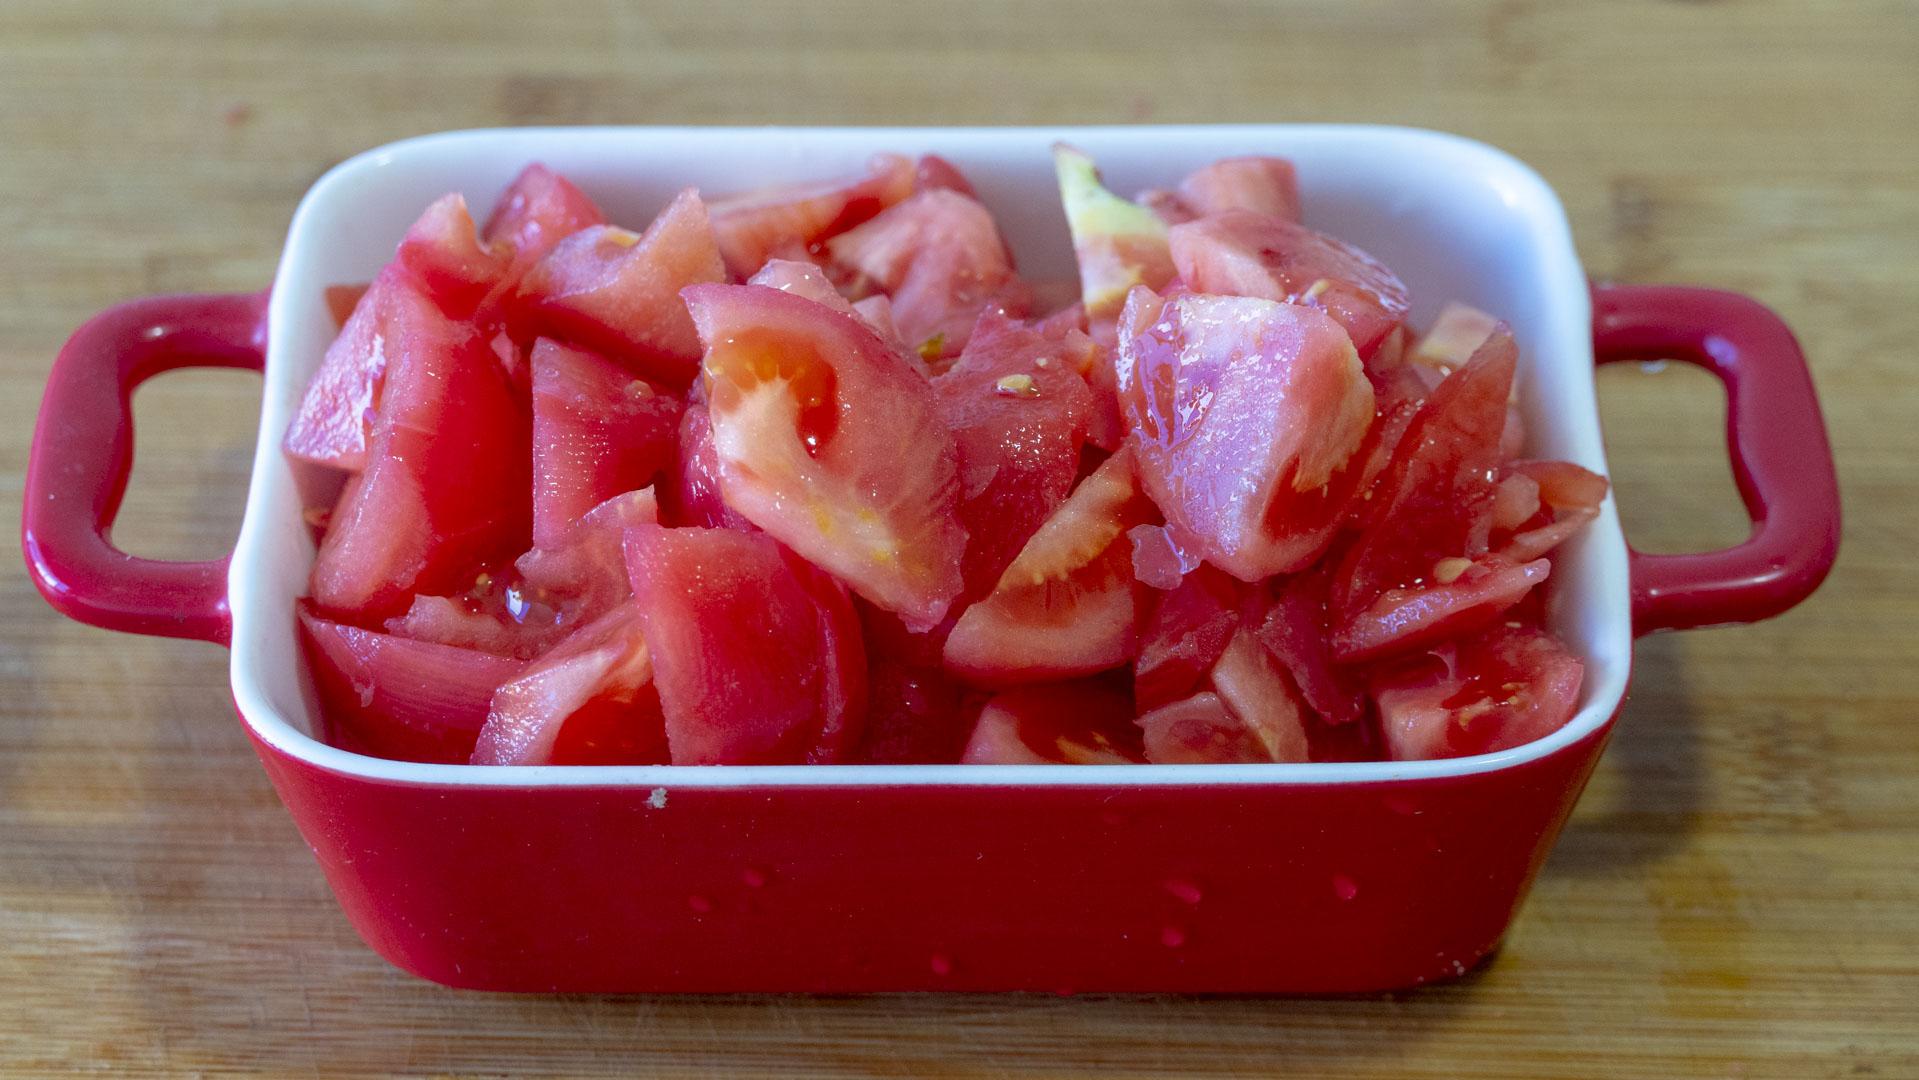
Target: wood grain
{"type": "Point", "coordinates": [1738, 894]}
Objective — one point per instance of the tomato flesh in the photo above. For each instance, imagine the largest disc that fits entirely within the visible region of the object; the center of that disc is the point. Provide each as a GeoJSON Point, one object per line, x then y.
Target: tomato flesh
{"type": "Point", "coordinates": [538, 210]}
{"type": "Point", "coordinates": [398, 698]}
{"type": "Point", "coordinates": [598, 431]}
{"type": "Point", "coordinates": [753, 664]}
{"type": "Point", "coordinates": [444, 254]}
{"type": "Point", "coordinates": [1068, 604]}
{"type": "Point", "coordinates": [940, 258]}
{"type": "Point", "coordinates": [596, 687]}
{"type": "Point", "coordinates": [1188, 631]}
{"type": "Point", "coordinates": [1246, 413]}
{"type": "Point", "coordinates": [1118, 244]}
{"type": "Point", "coordinates": [1498, 689]}
{"type": "Point", "coordinates": [1073, 723]}
{"type": "Point", "coordinates": [1247, 254]}
{"type": "Point", "coordinates": [827, 440]}
{"type": "Point", "coordinates": [1199, 730]}
{"type": "Point", "coordinates": [391, 319]}
{"type": "Point", "coordinates": [788, 220]}
{"type": "Point", "coordinates": [1268, 186]}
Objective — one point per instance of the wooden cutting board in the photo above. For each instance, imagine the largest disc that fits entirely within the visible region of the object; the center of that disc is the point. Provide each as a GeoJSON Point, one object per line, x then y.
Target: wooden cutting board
{"type": "Point", "coordinates": [1738, 894]}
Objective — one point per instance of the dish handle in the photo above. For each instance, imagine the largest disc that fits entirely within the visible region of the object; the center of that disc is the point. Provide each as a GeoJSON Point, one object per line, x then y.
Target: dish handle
{"type": "Point", "coordinates": [83, 453]}
{"type": "Point", "coordinates": [1781, 459]}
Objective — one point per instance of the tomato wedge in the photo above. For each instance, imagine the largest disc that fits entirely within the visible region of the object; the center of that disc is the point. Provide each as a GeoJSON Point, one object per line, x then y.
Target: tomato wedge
{"type": "Point", "coordinates": [914, 714]}
{"type": "Point", "coordinates": [446, 489]}
{"type": "Point", "coordinates": [787, 220]}
{"type": "Point", "coordinates": [391, 319]}
{"type": "Point", "coordinates": [1118, 244]}
{"type": "Point", "coordinates": [1250, 682]}
{"type": "Point", "coordinates": [940, 257]}
{"type": "Point", "coordinates": [1247, 254]}
{"type": "Point", "coordinates": [827, 440]}
{"type": "Point", "coordinates": [1246, 413]}
{"type": "Point", "coordinates": [1018, 414]}
{"type": "Point", "coordinates": [1567, 498]}
{"type": "Point", "coordinates": [618, 292]}
{"type": "Point", "coordinates": [588, 701]}
{"type": "Point", "coordinates": [538, 210]}
{"type": "Point", "coordinates": [1188, 631]}
{"type": "Point", "coordinates": [398, 698]}
{"type": "Point", "coordinates": [582, 574]}
{"type": "Point", "coordinates": [754, 663]}
{"type": "Point", "coordinates": [808, 280]}
{"type": "Point", "coordinates": [1199, 730]}
{"type": "Point", "coordinates": [1504, 687]}
{"type": "Point", "coordinates": [1297, 630]}
{"type": "Point", "coordinates": [1268, 186]}
{"type": "Point", "coordinates": [444, 254]}
{"type": "Point", "coordinates": [1074, 723]}
{"type": "Point", "coordinates": [1431, 522]}
{"type": "Point", "coordinates": [1068, 604]}
{"type": "Point", "coordinates": [597, 432]}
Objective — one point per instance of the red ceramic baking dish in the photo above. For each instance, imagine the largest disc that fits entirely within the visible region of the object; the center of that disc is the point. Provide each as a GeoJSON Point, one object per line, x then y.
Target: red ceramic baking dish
{"type": "Point", "coordinates": [1298, 878]}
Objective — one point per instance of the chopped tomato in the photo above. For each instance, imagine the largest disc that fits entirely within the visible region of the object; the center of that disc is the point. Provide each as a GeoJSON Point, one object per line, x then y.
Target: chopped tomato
{"type": "Point", "coordinates": [538, 210]}
{"type": "Point", "coordinates": [342, 299]}
{"type": "Point", "coordinates": [1073, 723]}
{"type": "Point", "coordinates": [588, 701]}
{"type": "Point", "coordinates": [1068, 604]}
{"type": "Point", "coordinates": [787, 220]}
{"type": "Point", "coordinates": [940, 258]}
{"type": "Point", "coordinates": [446, 488]}
{"type": "Point", "coordinates": [694, 497]}
{"type": "Point", "coordinates": [1200, 730]}
{"type": "Point", "coordinates": [830, 443]}
{"type": "Point", "coordinates": [443, 252]}
{"type": "Point", "coordinates": [1251, 684]}
{"type": "Point", "coordinates": [1159, 559]}
{"type": "Point", "coordinates": [581, 574]}
{"type": "Point", "coordinates": [1188, 631]}
{"type": "Point", "coordinates": [933, 172]}
{"type": "Point", "coordinates": [598, 431]}
{"type": "Point", "coordinates": [808, 280]}
{"type": "Point", "coordinates": [1297, 631]}
{"type": "Point", "coordinates": [754, 665]}
{"type": "Point", "coordinates": [1567, 499]}
{"type": "Point", "coordinates": [914, 714]}
{"type": "Point", "coordinates": [1501, 688]}
{"type": "Point", "coordinates": [1247, 254]}
{"type": "Point", "coordinates": [336, 413]}
{"type": "Point", "coordinates": [1246, 413]}
{"type": "Point", "coordinates": [1166, 206]}
{"type": "Point", "coordinates": [618, 292]}
{"type": "Point", "coordinates": [1263, 185]}
{"type": "Point", "coordinates": [1018, 414]}
{"type": "Point", "coordinates": [1431, 519]}
{"type": "Point", "coordinates": [397, 698]}
{"type": "Point", "coordinates": [1118, 244]}
{"type": "Point", "coordinates": [1456, 334]}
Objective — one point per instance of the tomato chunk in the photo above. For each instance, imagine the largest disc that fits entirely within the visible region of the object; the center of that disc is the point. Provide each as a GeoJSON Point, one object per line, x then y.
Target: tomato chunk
{"type": "Point", "coordinates": [446, 488]}
{"type": "Point", "coordinates": [787, 220]}
{"type": "Point", "coordinates": [940, 258]}
{"type": "Point", "coordinates": [588, 701]}
{"type": "Point", "coordinates": [618, 292]}
{"type": "Point", "coordinates": [753, 663]}
{"type": "Point", "coordinates": [391, 319]}
{"type": "Point", "coordinates": [1297, 630]}
{"type": "Point", "coordinates": [597, 432]}
{"type": "Point", "coordinates": [830, 443]}
{"type": "Point", "coordinates": [581, 575]}
{"type": "Point", "coordinates": [914, 713]}
{"type": "Point", "coordinates": [443, 252]}
{"type": "Point", "coordinates": [1498, 689]}
{"type": "Point", "coordinates": [1018, 414]}
{"type": "Point", "coordinates": [1248, 254]}
{"type": "Point", "coordinates": [1268, 186]}
{"type": "Point", "coordinates": [1567, 498]}
{"type": "Point", "coordinates": [1188, 631]}
{"type": "Point", "coordinates": [1073, 723]}
{"type": "Point", "coordinates": [1246, 413]}
{"type": "Point", "coordinates": [1068, 604]}
{"type": "Point", "coordinates": [1462, 596]}
{"type": "Point", "coordinates": [1252, 685]}
{"type": "Point", "coordinates": [538, 210]}
{"type": "Point", "coordinates": [397, 698]}
{"type": "Point", "coordinates": [1200, 730]}
{"type": "Point", "coordinates": [1118, 244]}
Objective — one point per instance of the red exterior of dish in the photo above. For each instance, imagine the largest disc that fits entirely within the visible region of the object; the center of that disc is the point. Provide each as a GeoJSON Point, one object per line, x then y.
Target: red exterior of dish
{"type": "Point", "coordinates": [1315, 888]}
{"type": "Point", "coordinates": [1245, 887]}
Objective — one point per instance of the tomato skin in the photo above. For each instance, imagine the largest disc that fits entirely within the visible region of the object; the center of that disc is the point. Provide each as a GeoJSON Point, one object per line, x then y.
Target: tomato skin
{"type": "Point", "coordinates": [1085, 722]}
{"type": "Point", "coordinates": [595, 686]}
{"type": "Point", "coordinates": [597, 432]}
{"type": "Point", "coordinates": [1501, 688]}
{"type": "Point", "coordinates": [538, 210]}
{"type": "Point", "coordinates": [694, 498]}
{"type": "Point", "coordinates": [446, 489]}
{"type": "Point", "coordinates": [617, 293]}
{"type": "Point", "coordinates": [788, 220]}
{"type": "Point", "coordinates": [1068, 604]}
{"type": "Point", "coordinates": [1297, 631]}
{"type": "Point", "coordinates": [827, 440]}
{"type": "Point", "coordinates": [1246, 413]}
{"type": "Point", "coordinates": [914, 715]}
{"type": "Point", "coordinates": [1019, 415]}
{"type": "Point", "coordinates": [1401, 620]}
{"type": "Point", "coordinates": [745, 666]}
{"type": "Point", "coordinates": [1248, 254]}
{"type": "Point", "coordinates": [397, 698]}
{"type": "Point", "coordinates": [1268, 186]}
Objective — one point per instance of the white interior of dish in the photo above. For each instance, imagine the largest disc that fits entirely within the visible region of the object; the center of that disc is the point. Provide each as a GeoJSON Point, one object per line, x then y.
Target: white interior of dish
{"type": "Point", "coordinates": [1456, 219]}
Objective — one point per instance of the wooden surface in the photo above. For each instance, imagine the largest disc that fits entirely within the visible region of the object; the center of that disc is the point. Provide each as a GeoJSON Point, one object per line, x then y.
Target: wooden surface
{"type": "Point", "coordinates": [1737, 895]}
